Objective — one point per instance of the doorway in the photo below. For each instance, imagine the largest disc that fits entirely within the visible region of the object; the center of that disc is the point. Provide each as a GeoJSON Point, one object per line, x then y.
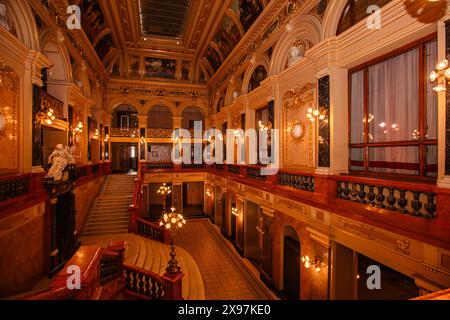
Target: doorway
{"type": "Point", "coordinates": [291, 264]}
{"type": "Point", "coordinates": [193, 200]}
{"type": "Point", "coordinates": [252, 240]}
{"type": "Point", "coordinates": [124, 157]}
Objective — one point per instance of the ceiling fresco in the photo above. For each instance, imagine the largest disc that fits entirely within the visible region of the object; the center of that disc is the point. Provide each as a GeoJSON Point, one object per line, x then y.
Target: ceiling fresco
{"type": "Point", "coordinates": [228, 35]}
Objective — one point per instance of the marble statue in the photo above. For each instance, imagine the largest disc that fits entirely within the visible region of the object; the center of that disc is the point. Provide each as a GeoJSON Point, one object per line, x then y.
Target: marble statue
{"type": "Point", "coordinates": [296, 54]}
{"type": "Point", "coordinates": [59, 159]}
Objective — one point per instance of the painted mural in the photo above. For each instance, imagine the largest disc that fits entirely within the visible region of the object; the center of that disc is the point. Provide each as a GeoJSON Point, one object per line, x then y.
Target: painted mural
{"type": "Point", "coordinates": [160, 68]}
{"type": "Point", "coordinates": [257, 77]}
{"type": "Point", "coordinates": [247, 11]}
{"type": "Point", "coordinates": [228, 36]}
{"type": "Point", "coordinates": [213, 58]}
{"type": "Point", "coordinates": [92, 18]}
{"type": "Point", "coordinates": [103, 46]}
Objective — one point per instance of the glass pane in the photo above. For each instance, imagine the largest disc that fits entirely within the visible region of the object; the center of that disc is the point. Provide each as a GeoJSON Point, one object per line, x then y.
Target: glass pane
{"type": "Point", "coordinates": [357, 159]}
{"type": "Point", "coordinates": [394, 98]}
{"type": "Point", "coordinates": [431, 167]}
{"type": "Point", "coordinates": [431, 96]}
{"type": "Point", "coordinates": [400, 160]}
{"type": "Point", "coordinates": [357, 107]}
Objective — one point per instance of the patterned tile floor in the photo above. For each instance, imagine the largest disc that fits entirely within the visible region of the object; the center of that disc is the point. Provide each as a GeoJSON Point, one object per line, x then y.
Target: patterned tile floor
{"type": "Point", "coordinates": [225, 276]}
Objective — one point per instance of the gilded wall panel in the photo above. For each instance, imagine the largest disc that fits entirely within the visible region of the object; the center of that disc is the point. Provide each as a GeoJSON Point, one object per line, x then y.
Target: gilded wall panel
{"type": "Point", "coordinates": [298, 150]}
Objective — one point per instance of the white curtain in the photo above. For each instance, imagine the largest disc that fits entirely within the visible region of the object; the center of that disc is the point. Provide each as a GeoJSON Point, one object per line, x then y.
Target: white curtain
{"type": "Point", "coordinates": [394, 109]}
{"type": "Point", "coordinates": [432, 108]}
{"type": "Point", "coordinates": [357, 106]}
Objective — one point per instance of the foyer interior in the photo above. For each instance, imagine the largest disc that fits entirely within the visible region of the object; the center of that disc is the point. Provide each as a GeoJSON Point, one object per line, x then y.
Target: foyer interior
{"type": "Point", "coordinates": [352, 96]}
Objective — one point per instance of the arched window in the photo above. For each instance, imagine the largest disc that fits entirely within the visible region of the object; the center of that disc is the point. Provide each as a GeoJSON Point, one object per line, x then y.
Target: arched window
{"type": "Point", "coordinates": [220, 104]}
{"type": "Point", "coordinates": [257, 77]}
{"type": "Point", "coordinates": [355, 11]}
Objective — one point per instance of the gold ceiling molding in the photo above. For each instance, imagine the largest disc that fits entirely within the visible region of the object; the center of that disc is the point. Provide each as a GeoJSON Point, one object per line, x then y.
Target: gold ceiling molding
{"type": "Point", "coordinates": [158, 90]}
{"type": "Point", "coordinates": [298, 91]}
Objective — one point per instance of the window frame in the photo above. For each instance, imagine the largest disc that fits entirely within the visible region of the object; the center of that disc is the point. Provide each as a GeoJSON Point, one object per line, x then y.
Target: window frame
{"type": "Point", "coordinates": [422, 143]}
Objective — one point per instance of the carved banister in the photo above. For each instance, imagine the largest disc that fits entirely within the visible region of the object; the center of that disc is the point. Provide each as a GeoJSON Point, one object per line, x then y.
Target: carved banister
{"type": "Point", "coordinates": [144, 284]}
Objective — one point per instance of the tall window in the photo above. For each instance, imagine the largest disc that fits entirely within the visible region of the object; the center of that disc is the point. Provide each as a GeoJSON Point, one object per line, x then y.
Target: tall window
{"type": "Point", "coordinates": [393, 114]}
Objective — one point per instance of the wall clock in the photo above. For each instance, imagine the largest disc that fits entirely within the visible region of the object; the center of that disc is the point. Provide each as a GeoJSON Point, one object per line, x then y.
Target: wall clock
{"type": "Point", "coordinates": [298, 130]}
{"type": "Point", "coordinates": [2, 122]}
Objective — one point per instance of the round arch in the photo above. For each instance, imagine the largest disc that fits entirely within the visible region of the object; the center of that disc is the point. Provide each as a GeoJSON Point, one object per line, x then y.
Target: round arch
{"type": "Point", "coordinates": [306, 28]}
{"type": "Point", "coordinates": [331, 18]}
{"type": "Point", "coordinates": [82, 81]}
{"type": "Point", "coordinates": [124, 101]}
{"type": "Point", "coordinates": [193, 104]}
{"type": "Point", "coordinates": [24, 23]}
{"type": "Point", "coordinates": [259, 61]}
{"type": "Point", "coordinates": [192, 113]}
{"type": "Point", "coordinates": [160, 101]}
{"type": "Point", "coordinates": [235, 86]}
{"type": "Point", "coordinates": [57, 54]}
{"type": "Point", "coordinates": [291, 248]}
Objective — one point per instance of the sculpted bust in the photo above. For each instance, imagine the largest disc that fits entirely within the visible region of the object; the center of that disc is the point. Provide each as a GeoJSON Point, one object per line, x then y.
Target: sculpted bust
{"type": "Point", "coordinates": [296, 54]}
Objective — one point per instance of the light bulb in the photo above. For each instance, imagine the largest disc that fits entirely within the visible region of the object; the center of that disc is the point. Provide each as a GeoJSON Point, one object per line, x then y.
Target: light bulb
{"type": "Point", "coordinates": [447, 73]}
{"type": "Point", "coordinates": [316, 113]}
{"type": "Point", "coordinates": [433, 76]}
{"type": "Point", "coordinates": [442, 64]}
{"type": "Point", "coordinates": [439, 88]}
{"type": "Point", "coordinates": [168, 226]}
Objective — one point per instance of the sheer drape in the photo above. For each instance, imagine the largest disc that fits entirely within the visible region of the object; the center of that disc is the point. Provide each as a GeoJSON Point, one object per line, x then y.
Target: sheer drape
{"type": "Point", "coordinates": [431, 103]}
{"type": "Point", "coordinates": [394, 104]}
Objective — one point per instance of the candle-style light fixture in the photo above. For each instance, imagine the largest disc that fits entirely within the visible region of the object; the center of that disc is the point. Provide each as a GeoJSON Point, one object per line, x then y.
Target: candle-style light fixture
{"type": "Point", "coordinates": [173, 222]}
{"type": "Point", "coordinates": [441, 75]}
{"type": "Point", "coordinates": [315, 263]}
{"type": "Point", "coordinates": [164, 191]}
{"type": "Point", "coordinates": [315, 114]}
{"type": "Point", "coordinates": [46, 115]}
{"type": "Point", "coordinates": [234, 211]}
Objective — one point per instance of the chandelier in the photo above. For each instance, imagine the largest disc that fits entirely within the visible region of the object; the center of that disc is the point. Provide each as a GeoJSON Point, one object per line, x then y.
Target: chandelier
{"type": "Point", "coordinates": [314, 114]}
{"type": "Point", "coordinates": [441, 75]}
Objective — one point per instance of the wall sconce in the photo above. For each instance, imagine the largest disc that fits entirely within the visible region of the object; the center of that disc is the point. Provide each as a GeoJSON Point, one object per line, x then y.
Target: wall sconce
{"type": "Point", "coordinates": [96, 134]}
{"type": "Point", "coordinates": [262, 126]}
{"type": "Point", "coordinates": [208, 193]}
{"type": "Point", "coordinates": [142, 140]}
{"type": "Point", "coordinates": [107, 138]}
{"type": "Point", "coordinates": [314, 114]}
{"type": "Point", "coordinates": [47, 116]}
{"type": "Point", "coordinates": [317, 264]}
{"type": "Point", "coordinates": [234, 211]}
{"type": "Point", "coordinates": [79, 128]}
{"type": "Point", "coordinates": [441, 74]}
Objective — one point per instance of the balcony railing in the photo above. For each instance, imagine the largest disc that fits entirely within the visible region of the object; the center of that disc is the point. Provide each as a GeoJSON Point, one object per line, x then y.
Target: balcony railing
{"type": "Point", "coordinates": [124, 132]}
{"type": "Point", "coordinates": [159, 133]}
{"type": "Point", "coordinates": [298, 181]}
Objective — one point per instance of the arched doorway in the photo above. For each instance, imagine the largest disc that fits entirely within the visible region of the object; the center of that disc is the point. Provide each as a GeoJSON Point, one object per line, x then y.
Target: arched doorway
{"type": "Point", "coordinates": [291, 264]}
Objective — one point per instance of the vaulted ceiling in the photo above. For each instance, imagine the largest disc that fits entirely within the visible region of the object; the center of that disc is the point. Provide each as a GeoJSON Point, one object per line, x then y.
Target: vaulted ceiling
{"type": "Point", "coordinates": [178, 39]}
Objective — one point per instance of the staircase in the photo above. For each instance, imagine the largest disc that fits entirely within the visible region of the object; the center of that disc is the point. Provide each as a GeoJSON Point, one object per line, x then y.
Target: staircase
{"type": "Point", "coordinates": [153, 256]}
{"type": "Point", "coordinates": [109, 212]}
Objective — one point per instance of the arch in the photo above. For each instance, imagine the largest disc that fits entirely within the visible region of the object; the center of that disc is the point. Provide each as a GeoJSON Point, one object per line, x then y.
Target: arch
{"type": "Point", "coordinates": [192, 113]}
{"type": "Point", "coordinates": [57, 54]}
{"type": "Point", "coordinates": [306, 28]}
{"type": "Point", "coordinates": [160, 101]}
{"type": "Point", "coordinates": [331, 18]}
{"type": "Point", "coordinates": [124, 101]}
{"type": "Point", "coordinates": [193, 104]}
{"type": "Point", "coordinates": [159, 117]}
{"type": "Point", "coordinates": [125, 115]}
{"type": "Point", "coordinates": [235, 86]}
{"type": "Point", "coordinates": [81, 79]}
{"type": "Point", "coordinates": [24, 23]}
{"type": "Point", "coordinates": [259, 61]}
{"type": "Point", "coordinates": [258, 75]}
{"type": "Point", "coordinates": [291, 262]}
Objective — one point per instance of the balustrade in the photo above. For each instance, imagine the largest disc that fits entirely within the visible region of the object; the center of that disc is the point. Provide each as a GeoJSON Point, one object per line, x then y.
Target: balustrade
{"type": "Point", "coordinates": [413, 202]}
{"type": "Point", "coordinates": [124, 132]}
{"type": "Point", "coordinates": [144, 283]}
{"type": "Point", "coordinates": [13, 187]}
{"type": "Point", "coordinates": [297, 181]}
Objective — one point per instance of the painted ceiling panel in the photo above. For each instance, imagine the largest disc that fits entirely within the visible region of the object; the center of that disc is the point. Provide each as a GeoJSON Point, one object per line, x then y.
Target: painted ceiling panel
{"type": "Point", "coordinates": [163, 18]}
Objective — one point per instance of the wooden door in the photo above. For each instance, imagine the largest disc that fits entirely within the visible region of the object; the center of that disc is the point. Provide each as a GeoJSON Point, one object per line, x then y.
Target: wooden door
{"type": "Point", "coordinates": [291, 269]}
{"type": "Point", "coordinates": [124, 158]}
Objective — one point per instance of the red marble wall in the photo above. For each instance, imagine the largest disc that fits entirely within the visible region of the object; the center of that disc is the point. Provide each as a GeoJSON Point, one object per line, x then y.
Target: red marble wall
{"type": "Point", "coordinates": [84, 196]}
{"type": "Point", "coordinates": [313, 285]}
